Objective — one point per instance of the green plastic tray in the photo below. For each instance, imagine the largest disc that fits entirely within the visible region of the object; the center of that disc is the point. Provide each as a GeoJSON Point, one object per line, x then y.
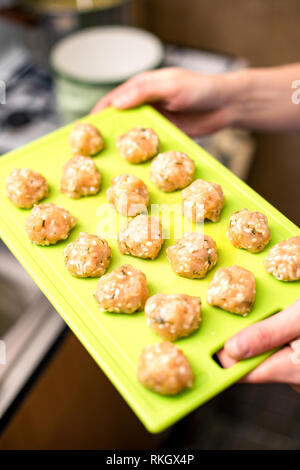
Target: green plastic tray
{"type": "Point", "coordinates": [114, 340]}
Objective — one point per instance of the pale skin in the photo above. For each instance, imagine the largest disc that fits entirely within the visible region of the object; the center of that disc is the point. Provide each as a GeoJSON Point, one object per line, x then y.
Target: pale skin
{"type": "Point", "coordinates": [200, 104]}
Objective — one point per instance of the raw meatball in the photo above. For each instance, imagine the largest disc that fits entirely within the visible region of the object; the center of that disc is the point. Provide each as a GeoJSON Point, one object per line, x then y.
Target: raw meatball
{"type": "Point", "coordinates": [193, 256]}
{"type": "Point", "coordinates": [80, 177]}
{"type": "Point", "coordinates": [128, 194]}
{"type": "Point", "coordinates": [283, 260]}
{"type": "Point", "coordinates": [173, 316]}
{"type": "Point", "coordinates": [138, 145]}
{"type": "Point", "coordinates": [48, 223]}
{"type": "Point", "coordinates": [249, 230]}
{"type": "Point", "coordinates": [172, 170]}
{"type": "Point", "coordinates": [88, 256]}
{"type": "Point", "coordinates": [164, 369]}
{"type": "Point", "coordinates": [142, 237]}
{"type": "Point", "coordinates": [232, 289]}
{"type": "Point", "coordinates": [86, 139]}
{"type": "Point", "coordinates": [202, 200]}
{"type": "Point", "coordinates": [26, 187]}
{"type": "Point", "coordinates": [123, 290]}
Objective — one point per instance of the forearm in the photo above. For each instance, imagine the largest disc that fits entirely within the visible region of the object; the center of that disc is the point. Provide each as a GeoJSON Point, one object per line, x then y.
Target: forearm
{"type": "Point", "coordinates": [261, 99]}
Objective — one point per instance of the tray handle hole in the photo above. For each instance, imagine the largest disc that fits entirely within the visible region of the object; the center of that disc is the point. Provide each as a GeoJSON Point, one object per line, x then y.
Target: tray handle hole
{"type": "Point", "coordinates": [216, 359]}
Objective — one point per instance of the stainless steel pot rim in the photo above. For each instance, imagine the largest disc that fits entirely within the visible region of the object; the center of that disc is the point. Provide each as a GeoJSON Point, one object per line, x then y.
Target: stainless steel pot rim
{"type": "Point", "coordinates": [57, 7]}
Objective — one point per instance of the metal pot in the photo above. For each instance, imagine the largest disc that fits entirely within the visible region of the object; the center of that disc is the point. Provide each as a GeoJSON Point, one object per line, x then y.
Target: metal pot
{"type": "Point", "coordinates": [58, 18]}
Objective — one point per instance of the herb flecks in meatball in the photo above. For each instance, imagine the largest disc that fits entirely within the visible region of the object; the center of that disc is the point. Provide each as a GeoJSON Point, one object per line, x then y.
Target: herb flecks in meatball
{"type": "Point", "coordinates": [47, 224]}
{"type": "Point", "coordinates": [86, 139]}
{"type": "Point", "coordinates": [141, 237]}
{"type": "Point", "coordinates": [232, 289]}
{"type": "Point", "coordinates": [173, 316]}
{"type": "Point", "coordinates": [163, 368]}
{"type": "Point", "coordinates": [88, 256]}
{"type": "Point", "coordinates": [138, 145]}
{"type": "Point", "coordinates": [283, 260]}
{"type": "Point", "coordinates": [202, 200]}
{"type": "Point", "coordinates": [128, 194]}
{"type": "Point", "coordinates": [249, 230]}
{"type": "Point", "coordinates": [172, 170]}
{"type": "Point", "coordinates": [80, 177]}
{"type": "Point", "coordinates": [193, 256]}
{"type": "Point", "coordinates": [25, 187]}
{"type": "Point", "coordinates": [123, 290]}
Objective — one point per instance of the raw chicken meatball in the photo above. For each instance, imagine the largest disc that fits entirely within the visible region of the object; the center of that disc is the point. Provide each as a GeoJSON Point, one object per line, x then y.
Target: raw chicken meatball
{"type": "Point", "coordinates": [80, 177]}
{"type": "Point", "coordinates": [173, 316]}
{"type": "Point", "coordinates": [232, 289]}
{"type": "Point", "coordinates": [142, 237]}
{"type": "Point", "coordinates": [123, 290]}
{"type": "Point", "coordinates": [48, 223]}
{"type": "Point", "coordinates": [249, 230]}
{"type": "Point", "coordinates": [86, 139]}
{"type": "Point", "coordinates": [193, 256]}
{"type": "Point", "coordinates": [138, 145]}
{"type": "Point", "coordinates": [283, 260]}
{"type": "Point", "coordinates": [88, 256]}
{"type": "Point", "coordinates": [172, 170]}
{"type": "Point", "coordinates": [128, 194]}
{"type": "Point", "coordinates": [163, 368]}
{"type": "Point", "coordinates": [202, 200]}
{"type": "Point", "coordinates": [26, 187]}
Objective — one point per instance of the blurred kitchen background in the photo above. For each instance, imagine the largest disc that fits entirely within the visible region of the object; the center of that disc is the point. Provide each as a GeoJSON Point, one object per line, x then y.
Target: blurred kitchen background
{"type": "Point", "coordinates": [52, 394]}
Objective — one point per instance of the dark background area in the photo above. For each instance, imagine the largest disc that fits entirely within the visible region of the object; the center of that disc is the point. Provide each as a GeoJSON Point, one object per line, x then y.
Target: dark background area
{"type": "Point", "coordinates": [72, 405]}
{"type": "Point", "coordinates": [266, 33]}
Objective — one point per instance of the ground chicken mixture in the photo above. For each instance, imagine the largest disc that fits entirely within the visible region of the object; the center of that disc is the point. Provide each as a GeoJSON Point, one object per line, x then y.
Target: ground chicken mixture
{"type": "Point", "coordinates": [142, 237]}
{"type": "Point", "coordinates": [86, 139]}
{"type": "Point", "coordinates": [138, 145]}
{"type": "Point", "coordinates": [163, 368]}
{"type": "Point", "coordinates": [193, 256]}
{"type": "Point", "coordinates": [47, 224]}
{"type": "Point", "coordinates": [173, 316]}
{"type": "Point", "coordinates": [123, 290]}
{"type": "Point", "coordinates": [249, 230]}
{"type": "Point", "coordinates": [26, 187]}
{"type": "Point", "coordinates": [128, 194]}
{"type": "Point", "coordinates": [80, 177]}
{"type": "Point", "coordinates": [232, 289]}
{"type": "Point", "coordinates": [283, 260]}
{"type": "Point", "coordinates": [172, 170]}
{"type": "Point", "coordinates": [202, 200]}
{"type": "Point", "coordinates": [88, 256]}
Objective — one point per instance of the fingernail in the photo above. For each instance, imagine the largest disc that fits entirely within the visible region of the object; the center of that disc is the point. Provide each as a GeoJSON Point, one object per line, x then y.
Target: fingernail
{"type": "Point", "coordinates": [120, 101]}
{"type": "Point", "coordinates": [238, 348]}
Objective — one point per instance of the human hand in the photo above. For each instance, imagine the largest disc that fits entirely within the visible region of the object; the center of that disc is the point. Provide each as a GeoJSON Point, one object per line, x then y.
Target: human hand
{"type": "Point", "coordinates": [282, 329]}
{"type": "Point", "coordinates": [201, 104]}
{"type": "Point", "coordinates": [197, 103]}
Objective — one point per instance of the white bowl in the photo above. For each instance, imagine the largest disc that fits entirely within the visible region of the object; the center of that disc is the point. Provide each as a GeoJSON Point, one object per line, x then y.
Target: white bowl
{"type": "Point", "coordinates": [89, 63]}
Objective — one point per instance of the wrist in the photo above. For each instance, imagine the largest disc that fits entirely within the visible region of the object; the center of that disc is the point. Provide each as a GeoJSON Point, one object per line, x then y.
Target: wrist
{"type": "Point", "coordinates": [238, 88]}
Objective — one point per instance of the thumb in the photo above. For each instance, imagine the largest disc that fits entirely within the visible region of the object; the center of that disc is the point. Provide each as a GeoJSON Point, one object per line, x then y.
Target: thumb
{"type": "Point", "coordinates": [266, 335]}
